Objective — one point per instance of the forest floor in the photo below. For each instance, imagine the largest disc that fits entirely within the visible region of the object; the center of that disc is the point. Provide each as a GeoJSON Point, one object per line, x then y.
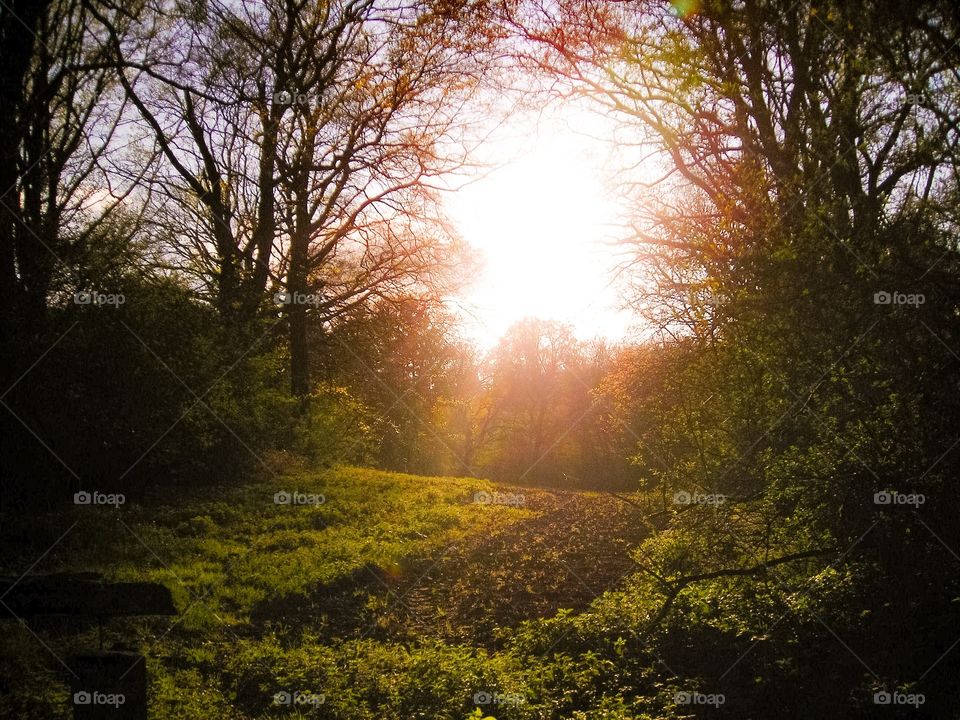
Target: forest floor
{"type": "Point", "coordinates": [377, 574]}
{"type": "Point", "coordinates": [561, 550]}
{"type": "Point", "coordinates": [575, 548]}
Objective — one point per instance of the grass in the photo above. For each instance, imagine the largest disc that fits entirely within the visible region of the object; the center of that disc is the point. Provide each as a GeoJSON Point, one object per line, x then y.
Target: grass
{"type": "Point", "coordinates": [309, 602]}
{"type": "Point", "coordinates": [241, 549]}
{"type": "Point", "coordinates": [230, 557]}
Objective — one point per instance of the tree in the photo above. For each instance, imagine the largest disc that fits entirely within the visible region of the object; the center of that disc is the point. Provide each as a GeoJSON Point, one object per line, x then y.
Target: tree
{"type": "Point", "coordinates": [818, 120]}
{"type": "Point", "coordinates": [401, 358]}
{"type": "Point", "coordinates": [304, 136]}
{"type": "Point", "coordinates": [59, 121]}
{"type": "Point", "coordinates": [540, 417]}
{"type": "Point", "coordinates": [808, 158]}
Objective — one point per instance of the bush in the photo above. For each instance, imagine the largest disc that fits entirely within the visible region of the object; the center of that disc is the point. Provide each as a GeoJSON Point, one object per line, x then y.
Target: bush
{"type": "Point", "coordinates": [335, 428]}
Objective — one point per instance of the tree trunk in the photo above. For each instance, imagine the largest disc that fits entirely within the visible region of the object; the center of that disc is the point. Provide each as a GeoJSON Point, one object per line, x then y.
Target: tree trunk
{"type": "Point", "coordinates": [17, 21]}
{"type": "Point", "coordinates": [297, 307]}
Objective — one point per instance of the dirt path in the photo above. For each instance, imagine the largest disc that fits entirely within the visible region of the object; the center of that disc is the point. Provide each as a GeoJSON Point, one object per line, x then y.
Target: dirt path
{"type": "Point", "coordinates": [574, 549]}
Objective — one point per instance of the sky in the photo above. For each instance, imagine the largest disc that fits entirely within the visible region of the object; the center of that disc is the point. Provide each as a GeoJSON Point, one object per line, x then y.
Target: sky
{"type": "Point", "coordinates": [542, 221]}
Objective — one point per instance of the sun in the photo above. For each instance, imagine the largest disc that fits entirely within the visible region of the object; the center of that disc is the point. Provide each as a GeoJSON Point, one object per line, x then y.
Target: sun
{"type": "Point", "coordinates": [543, 223]}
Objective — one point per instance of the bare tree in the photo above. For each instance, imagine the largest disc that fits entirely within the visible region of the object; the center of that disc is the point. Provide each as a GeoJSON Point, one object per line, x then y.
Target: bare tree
{"type": "Point", "coordinates": [374, 119]}
{"type": "Point", "coordinates": [756, 114]}
{"type": "Point", "coordinates": [58, 124]}
{"type": "Point", "coordinates": [303, 137]}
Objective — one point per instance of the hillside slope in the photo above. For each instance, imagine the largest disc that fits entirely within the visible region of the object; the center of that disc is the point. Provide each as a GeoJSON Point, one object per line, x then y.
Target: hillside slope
{"type": "Point", "coordinates": [279, 577]}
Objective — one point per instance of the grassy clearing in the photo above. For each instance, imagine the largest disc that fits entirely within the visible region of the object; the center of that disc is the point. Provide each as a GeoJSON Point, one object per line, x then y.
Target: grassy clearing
{"type": "Point", "coordinates": [396, 597]}
{"type": "Point", "coordinates": [243, 548]}
{"type": "Point", "coordinates": [225, 555]}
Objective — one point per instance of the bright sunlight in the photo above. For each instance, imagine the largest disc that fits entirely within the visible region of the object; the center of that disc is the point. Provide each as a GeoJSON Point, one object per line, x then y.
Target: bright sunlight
{"type": "Point", "coordinates": [543, 221]}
